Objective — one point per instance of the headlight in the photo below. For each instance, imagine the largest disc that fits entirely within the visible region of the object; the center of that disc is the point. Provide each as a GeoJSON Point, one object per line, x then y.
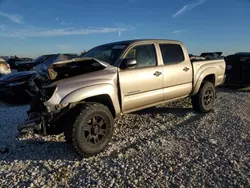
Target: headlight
{"type": "Point", "coordinates": [16, 83]}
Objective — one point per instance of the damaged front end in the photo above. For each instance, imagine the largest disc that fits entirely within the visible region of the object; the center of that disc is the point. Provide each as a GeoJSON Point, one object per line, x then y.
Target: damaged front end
{"type": "Point", "coordinates": [42, 119]}
{"type": "Point", "coordinates": [45, 122]}
{"type": "Point", "coordinates": [47, 115]}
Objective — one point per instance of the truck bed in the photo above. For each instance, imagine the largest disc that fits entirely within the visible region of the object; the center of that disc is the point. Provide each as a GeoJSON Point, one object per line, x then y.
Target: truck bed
{"type": "Point", "coordinates": [217, 66]}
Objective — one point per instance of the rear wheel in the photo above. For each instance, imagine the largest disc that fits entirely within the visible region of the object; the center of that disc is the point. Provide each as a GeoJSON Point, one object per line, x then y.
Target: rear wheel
{"type": "Point", "coordinates": [93, 129]}
{"type": "Point", "coordinates": [204, 100]}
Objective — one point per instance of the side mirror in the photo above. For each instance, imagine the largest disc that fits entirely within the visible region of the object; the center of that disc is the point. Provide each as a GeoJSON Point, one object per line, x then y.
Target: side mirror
{"type": "Point", "coordinates": [128, 63]}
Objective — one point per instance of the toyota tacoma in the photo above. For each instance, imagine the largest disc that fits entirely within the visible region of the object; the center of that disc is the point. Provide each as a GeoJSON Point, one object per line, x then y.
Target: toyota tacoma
{"type": "Point", "coordinates": [82, 96]}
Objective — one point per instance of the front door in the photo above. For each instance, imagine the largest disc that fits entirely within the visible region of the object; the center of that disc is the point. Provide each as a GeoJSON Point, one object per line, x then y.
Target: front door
{"type": "Point", "coordinates": [141, 85]}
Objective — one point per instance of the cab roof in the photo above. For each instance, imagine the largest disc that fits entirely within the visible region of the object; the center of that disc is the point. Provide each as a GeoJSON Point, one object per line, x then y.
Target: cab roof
{"type": "Point", "coordinates": [128, 42]}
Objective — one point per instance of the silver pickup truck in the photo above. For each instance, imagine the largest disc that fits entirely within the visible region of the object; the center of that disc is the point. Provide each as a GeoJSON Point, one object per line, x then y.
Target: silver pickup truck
{"type": "Point", "coordinates": [81, 97]}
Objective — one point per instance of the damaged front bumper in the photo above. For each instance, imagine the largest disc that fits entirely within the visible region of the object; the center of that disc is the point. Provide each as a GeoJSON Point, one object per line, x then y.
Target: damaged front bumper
{"type": "Point", "coordinates": [35, 125]}
{"type": "Point", "coordinates": [40, 125]}
{"type": "Point", "coordinates": [46, 122]}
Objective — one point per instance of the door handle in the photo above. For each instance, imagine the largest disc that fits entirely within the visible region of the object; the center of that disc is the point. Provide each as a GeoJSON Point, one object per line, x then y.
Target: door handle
{"type": "Point", "coordinates": [185, 69]}
{"type": "Point", "coordinates": [157, 73]}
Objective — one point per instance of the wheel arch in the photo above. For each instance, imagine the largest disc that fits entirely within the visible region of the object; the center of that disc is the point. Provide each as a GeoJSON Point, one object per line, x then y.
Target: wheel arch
{"type": "Point", "coordinates": [103, 99]}
{"type": "Point", "coordinates": [105, 94]}
{"type": "Point", "coordinates": [207, 75]}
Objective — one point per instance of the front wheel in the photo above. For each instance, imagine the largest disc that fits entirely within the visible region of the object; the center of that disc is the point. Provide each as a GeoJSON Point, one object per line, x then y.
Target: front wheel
{"type": "Point", "coordinates": [204, 100]}
{"type": "Point", "coordinates": [93, 129]}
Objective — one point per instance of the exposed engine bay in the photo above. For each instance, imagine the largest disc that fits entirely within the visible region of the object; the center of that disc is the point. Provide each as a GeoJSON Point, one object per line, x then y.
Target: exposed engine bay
{"type": "Point", "coordinates": [42, 118]}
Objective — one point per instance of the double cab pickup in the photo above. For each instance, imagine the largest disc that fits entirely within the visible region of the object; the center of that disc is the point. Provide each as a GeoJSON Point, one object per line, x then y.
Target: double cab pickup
{"type": "Point", "coordinates": [81, 97]}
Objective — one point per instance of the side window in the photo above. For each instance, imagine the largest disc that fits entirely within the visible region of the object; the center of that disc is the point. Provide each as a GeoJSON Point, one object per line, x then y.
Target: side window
{"type": "Point", "coordinates": [171, 53]}
{"type": "Point", "coordinates": [145, 55]}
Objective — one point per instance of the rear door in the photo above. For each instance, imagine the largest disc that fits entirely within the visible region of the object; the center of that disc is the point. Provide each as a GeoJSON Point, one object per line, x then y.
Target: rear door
{"type": "Point", "coordinates": [141, 85]}
{"type": "Point", "coordinates": [177, 71]}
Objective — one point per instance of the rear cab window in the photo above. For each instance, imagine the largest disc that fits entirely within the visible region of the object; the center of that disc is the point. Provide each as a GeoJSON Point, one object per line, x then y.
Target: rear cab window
{"type": "Point", "coordinates": [171, 53]}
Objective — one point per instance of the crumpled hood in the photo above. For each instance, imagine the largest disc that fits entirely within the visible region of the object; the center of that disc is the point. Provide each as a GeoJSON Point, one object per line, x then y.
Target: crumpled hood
{"type": "Point", "coordinates": [70, 75]}
{"type": "Point", "coordinates": [97, 77]}
{"type": "Point", "coordinates": [17, 76]}
{"type": "Point", "coordinates": [107, 76]}
{"type": "Point", "coordinates": [62, 69]}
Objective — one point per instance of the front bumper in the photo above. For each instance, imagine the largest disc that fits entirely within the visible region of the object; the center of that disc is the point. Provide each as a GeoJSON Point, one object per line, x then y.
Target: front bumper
{"type": "Point", "coordinates": [34, 125]}
{"type": "Point", "coordinates": [45, 122]}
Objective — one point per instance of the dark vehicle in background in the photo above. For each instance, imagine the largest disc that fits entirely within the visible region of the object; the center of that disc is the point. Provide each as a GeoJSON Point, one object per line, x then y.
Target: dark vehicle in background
{"type": "Point", "coordinates": [28, 65]}
{"type": "Point", "coordinates": [25, 64]}
{"type": "Point", "coordinates": [212, 55]}
{"type": "Point", "coordinates": [196, 57]}
{"type": "Point", "coordinates": [14, 61]}
{"type": "Point", "coordinates": [15, 86]}
{"type": "Point", "coordinates": [238, 69]}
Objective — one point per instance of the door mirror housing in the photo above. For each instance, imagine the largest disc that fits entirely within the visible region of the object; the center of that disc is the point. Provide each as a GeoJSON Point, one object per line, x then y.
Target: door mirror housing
{"type": "Point", "coordinates": [128, 63]}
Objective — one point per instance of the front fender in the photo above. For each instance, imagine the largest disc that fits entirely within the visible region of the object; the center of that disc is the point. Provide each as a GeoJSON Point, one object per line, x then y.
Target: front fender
{"type": "Point", "coordinates": [198, 81]}
{"type": "Point", "coordinates": [92, 91]}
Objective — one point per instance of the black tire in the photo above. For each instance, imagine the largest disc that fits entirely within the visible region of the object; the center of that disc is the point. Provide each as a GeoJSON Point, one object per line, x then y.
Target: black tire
{"type": "Point", "coordinates": [204, 100]}
{"type": "Point", "coordinates": [92, 130]}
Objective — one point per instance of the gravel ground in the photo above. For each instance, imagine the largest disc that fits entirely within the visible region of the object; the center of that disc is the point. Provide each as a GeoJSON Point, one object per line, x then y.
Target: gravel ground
{"type": "Point", "coordinates": [166, 146]}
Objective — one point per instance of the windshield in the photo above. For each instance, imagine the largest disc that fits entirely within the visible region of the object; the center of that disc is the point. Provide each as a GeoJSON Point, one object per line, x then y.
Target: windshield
{"type": "Point", "coordinates": [108, 53]}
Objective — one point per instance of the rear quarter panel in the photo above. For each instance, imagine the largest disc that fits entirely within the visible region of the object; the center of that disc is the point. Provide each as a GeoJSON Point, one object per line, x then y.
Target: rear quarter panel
{"type": "Point", "coordinates": [201, 69]}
